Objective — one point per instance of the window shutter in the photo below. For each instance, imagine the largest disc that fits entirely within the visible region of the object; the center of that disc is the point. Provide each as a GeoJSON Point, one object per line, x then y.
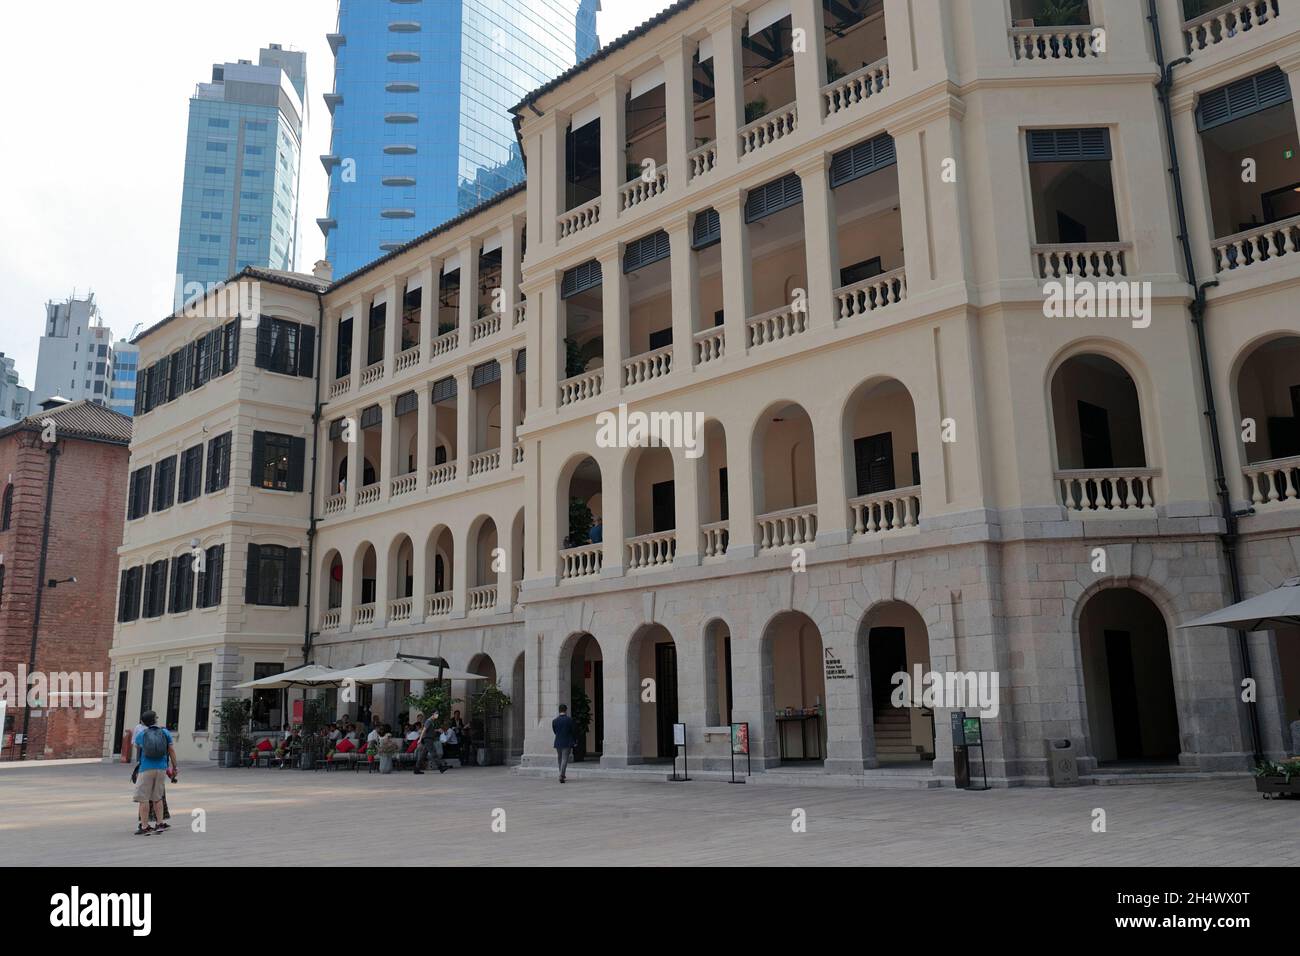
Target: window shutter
{"type": "Point", "coordinates": [521, 362]}
{"type": "Point", "coordinates": [297, 462]}
{"type": "Point", "coordinates": [773, 197]}
{"type": "Point", "coordinates": [214, 353]}
{"type": "Point", "coordinates": [371, 416]}
{"type": "Point", "coordinates": [292, 574]}
{"type": "Point", "coordinates": [862, 159]}
{"type": "Point", "coordinates": [406, 403]}
{"type": "Point", "coordinates": [444, 389]}
{"type": "Point", "coordinates": [123, 593]}
{"type": "Point", "coordinates": [139, 396]}
{"type": "Point", "coordinates": [306, 350]}
{"type": "Point", "coordinates": [263, 359]}
{"type": "Point", "coordinates": [1068, 145]}
{"type": "Point", "coordinates": [645, 251]}
{"type": "Point", "coordinates": [336, 429]}
{"type": "Point", "coordinates": [580, 279]}
{"type": "Point", "coordinates": [259, 458]}
{"type": "Point", "coordinates": [146, 600]}
{"type": "Point", "coordinates": [1242, 98]}
{"type": "Point", "coordinates": [230, 347]}
{"type": "Point", "coordinates": [250, 574]}
{"type": "Point", "coordinates": [707, 229]}
{"type": "Point", "coordinates": [485, 374]}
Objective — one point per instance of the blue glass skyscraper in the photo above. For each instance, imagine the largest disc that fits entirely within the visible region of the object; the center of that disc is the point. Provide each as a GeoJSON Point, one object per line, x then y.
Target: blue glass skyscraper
{"type": "Point", "coordinates": [243, 155]}
{"type": "Point", "coordinates": [421, 105]}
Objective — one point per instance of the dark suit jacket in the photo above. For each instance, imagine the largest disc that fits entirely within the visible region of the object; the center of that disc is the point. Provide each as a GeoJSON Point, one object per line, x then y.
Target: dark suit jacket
{"type": "Point", "coordinates": [566, 733]}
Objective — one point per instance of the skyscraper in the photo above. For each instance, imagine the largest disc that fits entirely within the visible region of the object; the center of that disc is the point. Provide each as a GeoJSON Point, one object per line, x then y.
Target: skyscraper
{"type": "Point", "coordinates": [422, 129]}
{"type": "Point", "coordinates": [243, 154]}
{"type": "Point", "coordinates": [126, 358]}
{"type": "Point", "coordinates": [15, 398]}
{"type": "Point", "coordinates": [75, 359]}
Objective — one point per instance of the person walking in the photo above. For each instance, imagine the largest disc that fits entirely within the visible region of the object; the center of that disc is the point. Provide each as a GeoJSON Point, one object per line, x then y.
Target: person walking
{"type": "Point", "coordinates": [428, 743]}
{"type": "Point", "coordinates": [565, 738]}
{"type": "Point", "coordinates": [157, 755]}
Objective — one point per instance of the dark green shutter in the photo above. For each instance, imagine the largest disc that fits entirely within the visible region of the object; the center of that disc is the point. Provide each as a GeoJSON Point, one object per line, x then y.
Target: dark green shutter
{"type": "Point", "coordinates": [707, 229]}
{"type": "Point", "coordinates": [862, 159]}
{"type": "Point", "coordinates": [259, 459]}
{"type": "Point", "coordinates": [292, 572]}
{"type": "Point", "coordinates": [580, 278]}
{"type": "Point", "coordinates": [1068, 145]}
{"type": "Point", "coordinates": [306, 350]}
{"type": "Point", "coordinates": [297, 462]}
{"type": "Point", "coordinates": [645, 251]}
{"type": "Point", "coordinates": [251, 574]}
{"type": "Point", "coordinates": [1242, 98]}
{"type": "Point", "coordinates": [263, 358]}
{"type": "Point", "coordinates": [773, 197]}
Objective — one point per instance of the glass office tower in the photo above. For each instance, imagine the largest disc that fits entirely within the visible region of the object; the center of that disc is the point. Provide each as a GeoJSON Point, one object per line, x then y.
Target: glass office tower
{"type": "Point", "coordinates": [239, 203]}
{"type": "Point", "coordinates": [421, 123]}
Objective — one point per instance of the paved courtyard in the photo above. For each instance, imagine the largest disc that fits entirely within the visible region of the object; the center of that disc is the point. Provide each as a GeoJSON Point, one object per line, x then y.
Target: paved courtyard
{"type": "Point", "coordinates": [81, 814]}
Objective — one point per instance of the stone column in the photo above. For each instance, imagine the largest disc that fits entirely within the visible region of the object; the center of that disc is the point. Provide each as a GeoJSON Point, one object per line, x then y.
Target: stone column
{"type": "Point", "coordinates": [360, 325]}
{"type": "Point", "coordinates": [356, 453]}
{"type": "Point", "coordinates": [505, 581]}
{"type": "Point", "coordinates": [387, 447]}
{"type": "Point", "coordinates": [545, 335]}
{"type": "Point", "coordinates": [685, 294]}
{"type": "Point", "coordinates": [429, 275]}
{"type": "Point", "coordinates": [740, 489]}
{"type": "Point", "coordinates": [679, 108]}
{"type": "Point", "coordinates": [821, 248]}
{"type": "Point", "coordinates": [510, 269]}
{"type": "Point", "coordinates": [809, 65]}
{"type": "Point", "coordinates": [392, 327]}
{"type": "Point", "coordinates": [614, 309]}
{"type": "Point", "coordinates": [423, 440]}
{"type": "Point", "coordinates": [687, 492]}
{"type": "Point", "coordinates": [464, 401]}
{"type": "Point", "coordinates": [506, 360]}
{"type": "Point", "coordinates": [728, 95]}
{"type": "Point", "coordinates": [613, 140]}
{"type": "Point", "coordinates": [469, 253]}
{"type": "Point", "coordinates": [737, 295]}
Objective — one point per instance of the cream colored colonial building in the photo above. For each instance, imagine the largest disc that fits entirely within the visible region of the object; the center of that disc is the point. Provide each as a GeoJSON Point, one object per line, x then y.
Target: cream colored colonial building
{"type": "Point", "coordinates": [839, 236]}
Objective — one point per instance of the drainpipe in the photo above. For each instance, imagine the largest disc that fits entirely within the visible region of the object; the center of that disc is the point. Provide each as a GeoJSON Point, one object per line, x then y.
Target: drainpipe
{"type": "Point", "coordinates": [1197, 309]}
{"type": "Point", "coordinates": [54, 453]}
{"type": "Point", "coordinates": [315, 451]}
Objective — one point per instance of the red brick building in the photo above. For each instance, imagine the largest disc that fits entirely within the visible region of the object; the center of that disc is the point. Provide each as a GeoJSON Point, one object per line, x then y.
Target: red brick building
{"type": "Point", "coordinates": [61, 509]}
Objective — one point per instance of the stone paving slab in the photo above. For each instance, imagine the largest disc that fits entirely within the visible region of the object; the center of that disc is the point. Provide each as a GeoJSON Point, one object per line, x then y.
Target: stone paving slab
{"type": "Point", "coordinates": [82, 815]}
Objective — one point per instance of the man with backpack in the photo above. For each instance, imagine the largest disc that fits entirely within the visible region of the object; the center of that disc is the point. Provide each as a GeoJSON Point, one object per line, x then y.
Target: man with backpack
{"type": "Point", "coordinates": [156, 755]}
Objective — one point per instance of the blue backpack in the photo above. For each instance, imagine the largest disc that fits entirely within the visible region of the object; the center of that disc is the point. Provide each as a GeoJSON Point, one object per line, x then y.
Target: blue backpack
{"type": "Point", "coordinates": [154, 744]}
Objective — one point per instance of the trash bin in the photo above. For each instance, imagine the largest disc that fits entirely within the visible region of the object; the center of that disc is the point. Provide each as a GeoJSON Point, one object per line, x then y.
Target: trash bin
{"type": "Point", "coordinates": [1062, 763]}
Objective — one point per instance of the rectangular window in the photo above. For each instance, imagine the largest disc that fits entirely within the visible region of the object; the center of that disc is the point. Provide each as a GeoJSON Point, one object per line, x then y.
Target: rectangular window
{"type": "Point", "coordinates": [146, 690]}
{"type": "Point", "coordinates": [191, 481]}
{"type": "Point", "coordinates": [278, 461]}
{"type": "Point", "coordinates": [272, 575]}
{"type": "Point", "coordinates": [285, 347]}
{"type": "Point", "coordinates": [209, 586]}
{"type": "Point", "coordinates": [138, 501]}
{"type": "Point", "coordinates": [199, 361]}
{"type": "Point", "coordinates": [128, 594]}
{"type": "Point", "coordinates": [164, 484]}
{"type": "Point", "coordinates": [119, 722]}
{"type": "Point", "coordinates": [155, 589]}
{"type": "Point", "coordinates": [375, 338]}
{"type": "Point", "coordinates": [181, 598]}
{"type": "Point", "coordinates": [174, 698]}
{"type": "Point", "coordinates": [202, 695]}
{"type": "Point", "coordinates": [343, 353]}
{"type": "Point", "coordinates": [229, 346]}
{"type": "Point", "coordinates": [218, 463]}
{"type": "Point", "coordinates": [268, 705]}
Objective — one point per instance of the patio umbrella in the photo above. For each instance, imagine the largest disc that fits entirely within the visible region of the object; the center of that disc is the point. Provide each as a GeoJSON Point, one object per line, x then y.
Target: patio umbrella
{"type": "Point", "coordinates": [305, 675]}
{"type": "Point", "coordinates": [394, 669]}
{"type": "Point", "coordinates": [1277, 608]}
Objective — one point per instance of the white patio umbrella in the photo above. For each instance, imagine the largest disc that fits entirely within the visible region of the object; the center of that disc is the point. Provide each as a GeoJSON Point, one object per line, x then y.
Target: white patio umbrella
{"type": "Point", "coordinates": [305, 675]}
{"type": "Point", "coordinates": [1279, 607]}
{"type": "Point", "coordinates": [394, 669]}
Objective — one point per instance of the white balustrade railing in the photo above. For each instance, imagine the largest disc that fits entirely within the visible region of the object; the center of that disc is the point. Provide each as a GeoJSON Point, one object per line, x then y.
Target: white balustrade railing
{"type": "Point", "coordinates": [483, 598]}
{"type": "Point", "coordinates": [407, 358]}
{"type": "Point", "coordinates": [713, 539]}
{"type": "Point", "coordinates": [1056, 43]}
{"type": "Point", "coordinates": [331, 619]}
{"type": "Point", "coordinates": [335, 504]}
{"type": "Point", "coordinates": [781, 529]}
{"type": "Point", "coordinates": [779, 323]}
{"type": "Point", "coordinates": [642, 188]}
{"type": "Point", "coordinates": [853, 88]}
{"type": "Point", "coordinates": [886, 510]}
{"type": "Point", "coordinates": [339, 387]}
{"type": "Point", "coordinates": [578, 218]}
{"type": "Point", "coordinates": [399, 609]}
{"type": "Point", "coordinates": [648, 365]}
{"type": "Point", "coordinates": [1269, 482]}
{"type": "Point", "coordinates": [582, 386]}
{"type": "Point", "coordinates": [651, 550]}
{"type": "Point", "coordinates": [521, 313]}
{"type": "Point", "coordinates": [1226, 22]}
{"type": "Point", "coordinates": [373, 373]}
{"type": "Point", "coordinates": [709, 345]}
{"type": "Point", "coordinates": [870, 294]}
{"type": "Point", "coordinates": [1098, 260]}
{"type": "Point", "coordinates": [702, 159]}
{"type": "Point", "coordinates": [441, 474]}
{"type": "Point", "coordinates": [403, 484]}
{"type": "Point", "coordinates": [363, 614]}
{"type": "Point", "coordinates": [444, 343]}
{"type": "Point", "coordinates": [438, 605]}
{"type": "Point", "coordinates": [581, 562]}
{"type": "Point", "coordinates": [490, 324]}
{"type": "Point", "coordinates": [1257, 244]}
{"type": "Point", "coordinates": [518, 456]}
{"type": "Point", "coordinates": [484, 461]}
{"type": "Point", "coordinates": [1108, 489]}
{"type": "Point", "coordinates": [768, 129]}
{"type": "Point", "coordinates": [368, 495]}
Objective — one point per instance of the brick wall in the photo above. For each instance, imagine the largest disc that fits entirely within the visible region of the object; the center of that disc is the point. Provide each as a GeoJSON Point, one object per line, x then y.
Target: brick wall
{"type": "Point", "coordinates": [76, 628]}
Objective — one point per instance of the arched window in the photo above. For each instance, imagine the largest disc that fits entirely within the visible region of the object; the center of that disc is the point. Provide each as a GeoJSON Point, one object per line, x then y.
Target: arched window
{"type": "Point", "coordinates": [8, 510]}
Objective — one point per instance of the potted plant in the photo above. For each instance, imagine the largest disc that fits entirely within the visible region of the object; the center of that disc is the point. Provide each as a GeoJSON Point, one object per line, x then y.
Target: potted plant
{"type": "Point", "coordinates": [833, 71]}
{"type": "Point", "coordinates": [754, 109]}
{"type": "Point", "coordinates": [315, 713]}
{"type": "Point", "coordinates": [389, 748]}
{"type": "Point", "coordinates": [582, 721]}
{"type": "Point", "coordinates": [489, 705]}
{"type": "Point", "coordinates": [1278, 778]}
{"type": "Point", "coordinates": [232, 721]}
{"type": "Point", "coordinates": [579, 523]}
{"type": "Point", "coordinates": [1062, 13]}
{"type": "Point", "coordinates": [573, 361]}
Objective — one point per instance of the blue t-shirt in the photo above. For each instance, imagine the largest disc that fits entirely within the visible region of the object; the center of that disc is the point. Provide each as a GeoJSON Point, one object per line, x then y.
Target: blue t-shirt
{"type": "Point", "coordinates": [145, 762]}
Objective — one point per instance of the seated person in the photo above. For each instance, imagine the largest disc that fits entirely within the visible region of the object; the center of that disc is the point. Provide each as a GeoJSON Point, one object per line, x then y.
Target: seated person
{"type": "Point", "coordinates": [412, 732]}
{"type": "Point", "coordinates": [345, 746]}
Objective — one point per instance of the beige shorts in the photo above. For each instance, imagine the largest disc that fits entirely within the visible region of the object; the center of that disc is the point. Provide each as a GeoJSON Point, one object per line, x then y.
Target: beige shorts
{"type": "Point", "coordinates": [150, 786]}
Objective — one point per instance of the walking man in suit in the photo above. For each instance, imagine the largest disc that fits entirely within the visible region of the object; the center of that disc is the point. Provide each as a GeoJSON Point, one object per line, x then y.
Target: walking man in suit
{"type": "Point", "coordinates": [565, 737]}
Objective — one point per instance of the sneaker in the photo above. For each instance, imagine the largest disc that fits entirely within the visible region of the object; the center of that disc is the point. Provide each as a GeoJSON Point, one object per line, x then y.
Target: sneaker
{"type": "Point", "coordinates": [142, 830]}
{"type": "Point", "coordinates": [419, 771]}
{"type": "Point", "coordinates": [162, 826]}
{"type": "Point", "coordinates": [443, 769]}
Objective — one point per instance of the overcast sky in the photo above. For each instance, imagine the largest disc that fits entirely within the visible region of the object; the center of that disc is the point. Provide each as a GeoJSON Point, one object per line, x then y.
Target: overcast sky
{"type": "Point", "coordinates": [95, 106]}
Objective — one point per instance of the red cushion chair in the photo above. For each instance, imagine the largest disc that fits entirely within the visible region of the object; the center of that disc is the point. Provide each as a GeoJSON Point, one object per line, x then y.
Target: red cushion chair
{"type": "Point", "coordinates": [345, 746]}
{"type": "Point", "coordinates": [411, 749]}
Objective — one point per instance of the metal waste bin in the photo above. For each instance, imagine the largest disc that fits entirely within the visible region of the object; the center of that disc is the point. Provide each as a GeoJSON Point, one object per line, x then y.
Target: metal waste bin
{"type": "Point", "coordinates": [1062, 763]}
